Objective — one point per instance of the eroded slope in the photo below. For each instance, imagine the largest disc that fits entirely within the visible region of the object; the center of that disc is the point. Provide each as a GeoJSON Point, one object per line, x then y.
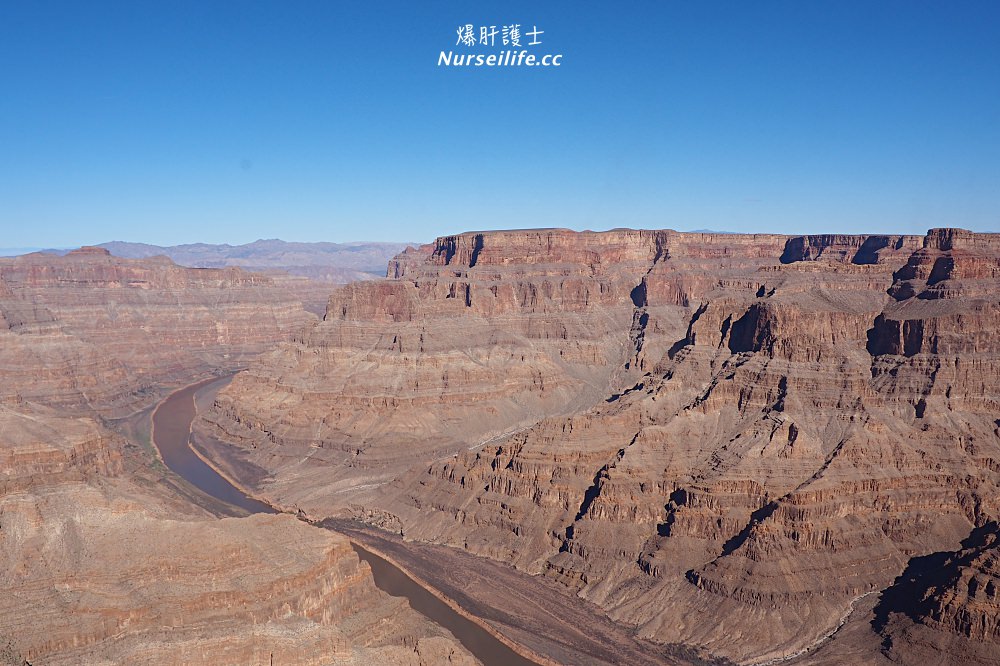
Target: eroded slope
{"type": "Point", "coordinates": [101, 561]}
{"type": "Point", "coordinates": [707, 435]}
{"type": "Point", "coordinates": [92, 331]}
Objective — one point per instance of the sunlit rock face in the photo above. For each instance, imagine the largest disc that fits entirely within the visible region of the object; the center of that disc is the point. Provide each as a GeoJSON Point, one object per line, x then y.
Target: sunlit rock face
{"type": "Point", "coordinates": [93, 331]}
{"type": "Point", "coordinates": [702, 433]}
{"type": "Point", "coordinates": [100, 570]}
{"type": "Point", "coordinates": [102, 561]}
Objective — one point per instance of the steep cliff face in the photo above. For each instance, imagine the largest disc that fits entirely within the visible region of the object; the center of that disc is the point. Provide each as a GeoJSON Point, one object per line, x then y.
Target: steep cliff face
{"type": "Point", "coordinates": [747, 478]}
{"type": "Point", "coordinates": [478, 335]}
{"type": "Point", "coordinates": [447, 355]}
{"type": "Point", "coordinates": [854, 249]}
{"type": "Point", "coordinates": [705, 434]}
{"type": "Point", "coordinates": [89, 329]}
{"type": "Point", "coordinates": [41, 448]}
{"type": "Point", "coordinates": [100, 562]}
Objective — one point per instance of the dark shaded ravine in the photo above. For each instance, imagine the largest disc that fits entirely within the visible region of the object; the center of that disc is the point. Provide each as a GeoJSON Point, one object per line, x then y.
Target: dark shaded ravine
{"type": "Point", "coordinates": [171, 435]}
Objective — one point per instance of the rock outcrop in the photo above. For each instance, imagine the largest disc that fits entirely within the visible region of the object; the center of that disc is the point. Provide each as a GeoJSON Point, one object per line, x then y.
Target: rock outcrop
{"type": "Point", "coordinates": [42, 448]}
{"type": "Point", "coordinates": [704, 434]}
{"type": "Point", "coordinates": [944, 608]}
{"type": "Point", "coordinates": [101, 573]}
{"type": "Point", "coordinates": [92, 331]}
{"type": "Point", "coordinates": [101, 562]}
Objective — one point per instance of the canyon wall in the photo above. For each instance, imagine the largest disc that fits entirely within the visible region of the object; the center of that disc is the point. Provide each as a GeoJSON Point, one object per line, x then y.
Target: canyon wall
{"type": "Point", "coordinates": [102, 567]}
{"type": "Point", "coordinates": [705, 434]}
{"type": "Point", "coordinates": [102, 560]}
{"type": "Point", "coordinates": [93, 331]}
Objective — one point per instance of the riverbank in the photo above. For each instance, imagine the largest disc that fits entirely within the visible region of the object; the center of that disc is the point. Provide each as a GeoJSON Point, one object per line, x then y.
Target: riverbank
{"type": "Point", "coordinates": [170, 434]}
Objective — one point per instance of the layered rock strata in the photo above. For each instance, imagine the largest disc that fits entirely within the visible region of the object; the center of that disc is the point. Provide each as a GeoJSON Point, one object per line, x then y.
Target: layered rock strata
{"type": "Point", "coordinates": [944, 607]}
{"type": "Point", "coordinates": [704, 434]}
{"type": "Point", "coordinates": [93, 575]}
{"type": "Point", "coordinates": [100, 562]}
{"type": "Point", "coordinates": [89, 330]}
{"type": "Point", "coordinates": [445, 356]}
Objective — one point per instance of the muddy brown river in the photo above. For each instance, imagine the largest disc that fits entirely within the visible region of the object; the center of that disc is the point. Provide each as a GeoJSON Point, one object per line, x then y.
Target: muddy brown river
{"type": "Point", "coordinates": [172, 420]}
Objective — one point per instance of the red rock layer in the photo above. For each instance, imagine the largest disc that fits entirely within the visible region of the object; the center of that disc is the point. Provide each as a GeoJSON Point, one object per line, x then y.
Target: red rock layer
{"type": "Point", "coordinates": [714, 433]}
{"type": "Point", "coordinates": [406, 370]}
{"type": "Point", "coordinates": [90, 329]}
{"type": "Point", "coordinates": [40, 448]}
{"type": "Point", "coordinates": [100, 562]}
{"type": "Point", "coordinates": [97, 573]}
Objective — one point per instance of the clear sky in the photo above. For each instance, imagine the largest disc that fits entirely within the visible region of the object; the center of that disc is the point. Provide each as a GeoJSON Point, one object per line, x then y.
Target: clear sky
{"type": "Point", "coordinates": [174, 122]}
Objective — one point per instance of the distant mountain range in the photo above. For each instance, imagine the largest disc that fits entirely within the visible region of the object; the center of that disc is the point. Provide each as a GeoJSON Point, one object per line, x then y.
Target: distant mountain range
{"type": "Point", "coordinates": [327, 262]}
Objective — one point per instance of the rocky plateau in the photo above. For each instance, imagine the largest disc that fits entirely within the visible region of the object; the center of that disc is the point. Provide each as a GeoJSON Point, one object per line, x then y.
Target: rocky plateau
{"type": "Point", "coordinates": [104, 557]}
{"type": "Point", "coordinates": [761, 447]}
{"type": "Point", "coordinates": [98, 332]}
{"type": "Point", "coordinates": [306, 269]}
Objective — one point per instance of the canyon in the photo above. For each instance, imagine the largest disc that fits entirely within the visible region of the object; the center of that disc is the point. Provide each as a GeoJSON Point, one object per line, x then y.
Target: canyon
{"type": "Point", "coordinates": [98, 332]}
{"type": "Point", "coordinates": [109, 558]}
{"type": "Point", "coordinates": [631, 446]}
{"type": "Point", "coordinates": [742, 444]}
{"type": "Point", "coordinates": [332, 263]}
{"type": "Point", "coordinates": [306, 269]}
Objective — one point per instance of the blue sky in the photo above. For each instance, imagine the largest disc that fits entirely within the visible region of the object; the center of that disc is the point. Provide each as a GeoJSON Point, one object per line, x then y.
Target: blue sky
{"type": "Point", "coordinates": [231, 121]}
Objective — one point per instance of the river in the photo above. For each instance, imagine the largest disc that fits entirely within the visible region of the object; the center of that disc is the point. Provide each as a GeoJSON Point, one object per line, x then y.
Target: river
{"type": "Point", "coordinates": [171, 434]}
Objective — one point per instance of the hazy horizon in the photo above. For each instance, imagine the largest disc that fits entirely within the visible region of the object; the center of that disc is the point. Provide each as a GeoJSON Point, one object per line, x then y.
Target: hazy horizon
{"type": "Point", "coordinates": [15, 251]}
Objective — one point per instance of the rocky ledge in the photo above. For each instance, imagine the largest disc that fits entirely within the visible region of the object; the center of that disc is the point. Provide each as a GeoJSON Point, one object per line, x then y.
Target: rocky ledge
{"type": "Point", "coordinates": [705, 434]}
{"type": "Point", "coordinates": [102, 561]}
{"type": "Point", "coordinates": [91, 331]}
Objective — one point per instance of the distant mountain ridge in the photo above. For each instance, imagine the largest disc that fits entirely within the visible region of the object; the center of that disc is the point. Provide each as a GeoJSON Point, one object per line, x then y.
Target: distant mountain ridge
{"type": "Point", "coordinates": [335, 263]}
